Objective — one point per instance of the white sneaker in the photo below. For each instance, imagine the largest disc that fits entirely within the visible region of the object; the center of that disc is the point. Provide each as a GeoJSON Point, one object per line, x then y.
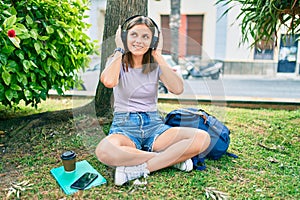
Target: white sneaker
{"type": "Point", "coordinates": [124, 174]}
{"type": "Point", "coordinates": [186, 166]}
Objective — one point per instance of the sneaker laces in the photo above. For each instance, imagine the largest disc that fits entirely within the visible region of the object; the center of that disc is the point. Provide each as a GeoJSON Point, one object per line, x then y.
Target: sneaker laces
{"type": "Point", "coordinates": [138, 170]}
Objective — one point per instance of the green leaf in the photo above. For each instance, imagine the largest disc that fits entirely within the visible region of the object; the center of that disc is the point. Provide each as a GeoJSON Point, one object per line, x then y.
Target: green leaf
{"type": "Point", "coordinates": [22, 78]}
{"type": "Point", "coordinates": [3, 59]}
{"type": "Point", "coordinates": [60, 34]}
{"type": "Point", "coordinates": [26, 65]}
{"type": "Point", "coordinates": [15, 40]}
{"type": "Point", "coordinates": [1, 88]}
{"type": "Point", "coordinates": [28, 94]}
{"type": "Point", "coordinates": [33, 77]}
{"type": "Point", "coordinates": [21, 28]}
{"type": "Point", "coordinates": [43, 55]}
{"type": "Point", "coordinates": [5, 12]}
{"type": "Point", "coordinates": [55, 65]}
{"type": "Point", "coordinates": [12, 66]}
{"type": "Point", "coordinates": [8, 49]}
{"type": "Point", "coordinates": [9, 22]}
{"type": "Point", "coordinates": [46, 67]}
{"type": "Point", "coordinates": [15, 87]}
{"type": "Point", "coordinates": [20, 54]}
{"type": "Point", "coordinates": [44, 84]}
{"type": "Point", "coordinates": [49, 29]}
{"type": "Point", "coordinates": [6, 77]}
{"type": "Point", "coordinates": [42, 73]}
{"type": "Point", "coordinates": [54, 54]}
{"type": "Point", "coordinates": [9, 94]}
{"type": "Point", "coordinates": [24, 35]}
{"type": "Point", "coordinates": [59, 91]}
{"type": "Point", "coordinates": [34, 33]}
{"type": "Point", "coordinates": [29, 20]}
{"type": "Point", "coordinates": [43, 38]}
{"type": "Point", "coordinates": [12, 11]}
{"type": "Point", "coordinates": [37, 47]}
{"type": "Point", "coordinates": [43, 95]}
{"type": "Point", "coordinates": [33, 64]}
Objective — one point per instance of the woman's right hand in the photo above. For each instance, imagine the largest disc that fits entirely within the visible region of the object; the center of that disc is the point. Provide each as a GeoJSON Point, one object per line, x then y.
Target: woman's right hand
{"type": "Point", "coordinates": [118, 39]}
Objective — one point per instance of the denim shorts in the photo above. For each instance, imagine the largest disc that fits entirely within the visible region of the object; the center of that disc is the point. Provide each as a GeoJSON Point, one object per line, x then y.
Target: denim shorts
{"type": "Point", "coordinates": [140, 127]}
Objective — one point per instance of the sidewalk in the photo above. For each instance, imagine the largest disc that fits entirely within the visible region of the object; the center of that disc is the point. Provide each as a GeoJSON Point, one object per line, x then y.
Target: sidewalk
{"type": "Point", "coordinates": [233, 101]}
{"type": "Point", "coordinates": [228, 101]}
{"type": "Point", "coordinates": [259, 77]}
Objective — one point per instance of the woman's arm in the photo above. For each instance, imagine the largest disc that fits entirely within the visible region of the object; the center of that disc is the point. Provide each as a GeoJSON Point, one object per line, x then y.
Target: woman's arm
{"type": "Point", "coordinates": [169, 77]}
{"type": "Point", "coordinates": [110, 75]}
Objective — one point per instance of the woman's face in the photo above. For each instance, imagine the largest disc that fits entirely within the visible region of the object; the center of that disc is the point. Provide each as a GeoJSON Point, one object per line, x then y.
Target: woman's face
{"type": "Point", "coordinates": [139, 38]}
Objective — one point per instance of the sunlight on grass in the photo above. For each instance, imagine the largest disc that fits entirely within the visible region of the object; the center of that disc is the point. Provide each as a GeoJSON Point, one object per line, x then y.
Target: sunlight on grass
{"type": "Point", "coordinates": [266, 141]}
{"type": "Point", "coordinates": [51, 104]}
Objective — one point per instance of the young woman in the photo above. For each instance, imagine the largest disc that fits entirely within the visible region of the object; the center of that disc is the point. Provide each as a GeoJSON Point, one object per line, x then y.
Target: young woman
{"type": "Point", "coordinates": [139, 142]}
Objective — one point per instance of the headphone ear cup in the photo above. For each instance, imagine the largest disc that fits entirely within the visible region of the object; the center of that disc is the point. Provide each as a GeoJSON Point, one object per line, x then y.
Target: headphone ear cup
{"type": "Point", "coordinates": [124, 38]}
{"type": "Point", "coordinates": [154, 42]}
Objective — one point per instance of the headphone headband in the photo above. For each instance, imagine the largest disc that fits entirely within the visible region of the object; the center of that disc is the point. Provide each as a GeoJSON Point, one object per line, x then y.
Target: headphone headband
{"type": "Point", "coordinates": [155, 39]}
{"type": "Point", "coordinates": [134, 16]}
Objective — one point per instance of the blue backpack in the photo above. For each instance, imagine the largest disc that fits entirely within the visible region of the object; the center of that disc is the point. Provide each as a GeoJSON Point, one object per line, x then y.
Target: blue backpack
{"type": "Point", "coordinates": [198, 118]}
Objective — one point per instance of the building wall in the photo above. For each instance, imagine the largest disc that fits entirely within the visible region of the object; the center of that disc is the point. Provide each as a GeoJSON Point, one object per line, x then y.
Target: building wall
{"type": "Point", "coordinates": [221, 36]}
{"type": "Point", "coordinates": [190, 7]}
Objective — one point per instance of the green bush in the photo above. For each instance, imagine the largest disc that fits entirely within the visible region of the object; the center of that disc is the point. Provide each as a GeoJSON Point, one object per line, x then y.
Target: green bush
{"type": "Point", "coordinates": [43, 44]}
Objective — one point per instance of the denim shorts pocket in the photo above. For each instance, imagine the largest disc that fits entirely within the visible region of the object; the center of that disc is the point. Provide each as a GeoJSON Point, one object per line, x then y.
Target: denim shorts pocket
{"type": "Point", "coordinates": [156, 118]}
{"type": "Point", "coordinates": [120, 120]}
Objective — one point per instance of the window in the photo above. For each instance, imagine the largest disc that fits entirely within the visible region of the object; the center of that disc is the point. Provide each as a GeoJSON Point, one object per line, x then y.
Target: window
{"type": "Point", "coordinates": [264, 50]}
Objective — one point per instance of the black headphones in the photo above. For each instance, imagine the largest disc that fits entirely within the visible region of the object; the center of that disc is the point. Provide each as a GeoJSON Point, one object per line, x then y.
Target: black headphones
{"type": "Point", "coordinates": [155, 38]}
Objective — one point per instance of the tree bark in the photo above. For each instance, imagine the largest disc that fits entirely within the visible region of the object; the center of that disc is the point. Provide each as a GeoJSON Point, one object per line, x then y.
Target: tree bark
{"type": "Point", "coordinates": [174, 26]}
{"type": "Point", "coordinates": [117, 11]}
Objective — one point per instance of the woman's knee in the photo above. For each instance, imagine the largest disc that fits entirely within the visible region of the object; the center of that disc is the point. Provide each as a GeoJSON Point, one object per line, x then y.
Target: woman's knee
{"type": "Point", "coordinates": [102, 151]}
{"type": "Point", "coordinates": [202, 139]}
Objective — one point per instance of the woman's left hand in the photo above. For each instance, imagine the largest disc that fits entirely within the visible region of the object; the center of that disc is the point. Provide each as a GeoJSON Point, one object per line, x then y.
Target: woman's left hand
{"type": "Point", "coordinates": [158, 51]}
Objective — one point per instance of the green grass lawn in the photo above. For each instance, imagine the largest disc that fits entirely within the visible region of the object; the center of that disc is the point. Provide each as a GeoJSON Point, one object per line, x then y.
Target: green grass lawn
{"type": "Point", "coordinates": [266, 141]}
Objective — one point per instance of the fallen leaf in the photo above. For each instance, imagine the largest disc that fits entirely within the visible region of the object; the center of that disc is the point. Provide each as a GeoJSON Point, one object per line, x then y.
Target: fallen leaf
{"type": "Point", "coordinates": [213, 193]}
{"type": "Point", "coordinates": [272, 160]}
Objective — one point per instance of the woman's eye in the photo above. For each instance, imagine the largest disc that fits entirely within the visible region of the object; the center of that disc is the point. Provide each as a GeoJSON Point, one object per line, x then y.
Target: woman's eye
{"type": "Point", "coordinates": [133, 34]}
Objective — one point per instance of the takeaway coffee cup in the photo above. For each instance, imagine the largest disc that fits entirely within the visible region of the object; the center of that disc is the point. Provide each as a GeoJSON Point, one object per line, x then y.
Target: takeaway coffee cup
{"type": "Point", "coordinates": [69, 160]}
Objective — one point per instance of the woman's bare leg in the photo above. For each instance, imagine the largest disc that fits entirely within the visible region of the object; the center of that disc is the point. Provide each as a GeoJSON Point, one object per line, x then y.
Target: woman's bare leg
{"type": "Point", "coordinates": [177, 145]}
{"type": "Point", "coordinates": [119, 150]}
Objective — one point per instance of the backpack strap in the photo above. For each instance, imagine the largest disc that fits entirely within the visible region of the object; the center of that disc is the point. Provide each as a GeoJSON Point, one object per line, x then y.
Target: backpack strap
{"type": "Point", "coordinates": [199, 163]}
{"type": "Point", "coordinates": [231, 155]}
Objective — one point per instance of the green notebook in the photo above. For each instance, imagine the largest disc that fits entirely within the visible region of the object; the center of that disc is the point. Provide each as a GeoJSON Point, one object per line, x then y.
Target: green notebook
{"type": "Point", "coordinates": [65, 179]}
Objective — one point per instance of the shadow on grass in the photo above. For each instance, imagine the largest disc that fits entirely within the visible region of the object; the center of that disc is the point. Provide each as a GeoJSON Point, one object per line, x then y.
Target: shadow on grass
{"type": "Point", "coordinates": [266, 141]}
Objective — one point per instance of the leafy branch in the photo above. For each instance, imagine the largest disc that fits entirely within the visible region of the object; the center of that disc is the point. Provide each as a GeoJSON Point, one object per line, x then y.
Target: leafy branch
{"type": "Point", "coordinates": [262, 19]}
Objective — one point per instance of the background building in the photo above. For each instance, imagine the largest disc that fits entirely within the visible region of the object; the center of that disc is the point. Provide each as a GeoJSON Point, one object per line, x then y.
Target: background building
{"type": "Point", "coordinates": [205, 34]}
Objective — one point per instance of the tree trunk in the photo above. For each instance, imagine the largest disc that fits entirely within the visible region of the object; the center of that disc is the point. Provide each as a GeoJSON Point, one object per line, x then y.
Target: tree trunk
{"type": "Point", "coordinates": [174, 26]}
{"type": "Point", "coordinates": [117, 11]}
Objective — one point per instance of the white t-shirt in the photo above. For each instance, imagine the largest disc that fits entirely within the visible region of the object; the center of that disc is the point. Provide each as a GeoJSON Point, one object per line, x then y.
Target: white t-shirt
{"type": "Point", "coordinates": [136, 92]}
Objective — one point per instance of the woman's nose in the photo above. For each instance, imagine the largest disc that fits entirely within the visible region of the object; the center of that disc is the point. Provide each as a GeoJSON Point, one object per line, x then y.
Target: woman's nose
{"type": "Point", "coordinates": [138, 39]}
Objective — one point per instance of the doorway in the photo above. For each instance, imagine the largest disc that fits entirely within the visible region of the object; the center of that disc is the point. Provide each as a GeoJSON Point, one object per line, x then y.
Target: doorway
{"type": "Point", "coordinates": [287, 54]}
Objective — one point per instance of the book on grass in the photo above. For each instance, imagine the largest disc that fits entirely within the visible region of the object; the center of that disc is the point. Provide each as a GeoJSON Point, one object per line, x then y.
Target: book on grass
{"type": "Point", "coordinates": [65, 179]}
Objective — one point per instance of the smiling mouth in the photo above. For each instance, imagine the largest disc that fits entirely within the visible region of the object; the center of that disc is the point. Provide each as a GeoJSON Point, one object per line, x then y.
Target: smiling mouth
{"type": "Point", "coordinates": [137, 47]}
